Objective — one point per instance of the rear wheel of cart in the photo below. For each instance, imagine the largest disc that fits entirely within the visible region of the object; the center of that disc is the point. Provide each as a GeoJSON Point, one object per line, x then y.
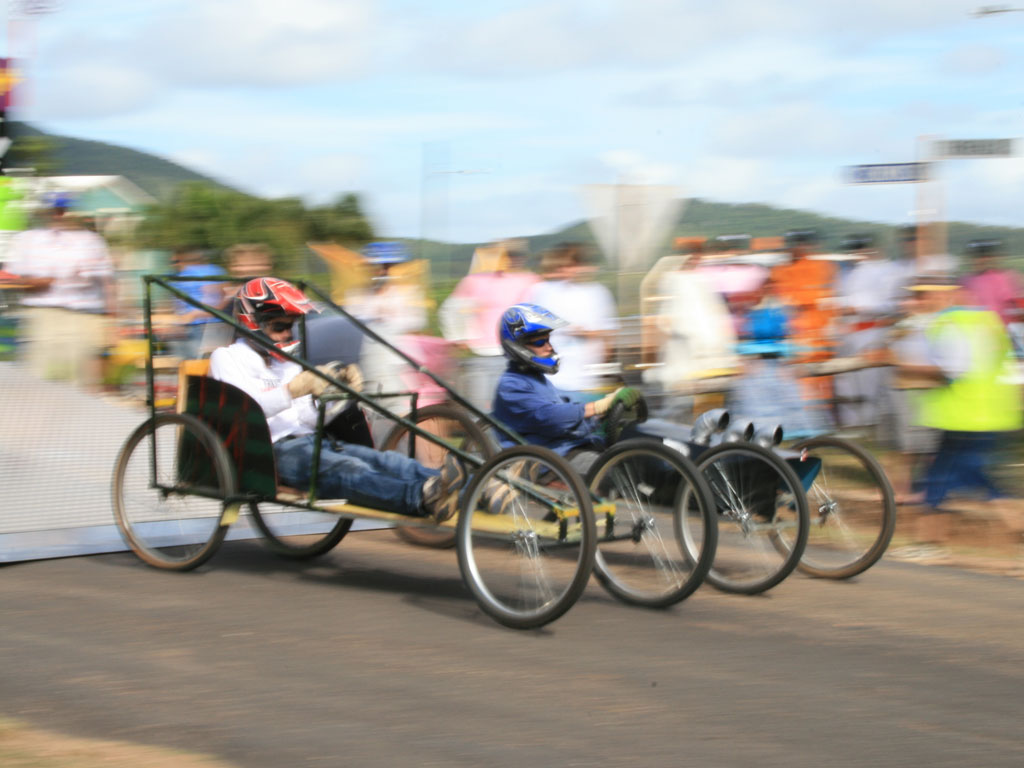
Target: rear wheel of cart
{"type": "Point", "coordinates": [526, 537]}
{"type": "Point", "coordinates": [172, 490]}
{"type": "Point", "coordinates": [853, 511]}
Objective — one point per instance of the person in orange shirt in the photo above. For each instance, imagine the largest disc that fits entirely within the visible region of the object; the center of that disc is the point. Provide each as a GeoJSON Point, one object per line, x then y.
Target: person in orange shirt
{"type": "Point", "coordinates": [806, 287]}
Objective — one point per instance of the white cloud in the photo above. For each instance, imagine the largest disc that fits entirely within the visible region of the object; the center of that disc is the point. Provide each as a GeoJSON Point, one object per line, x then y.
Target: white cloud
{"type": "Point", "coordinates": [632, 167]}
{"type": "Point", "coordinates": [92, 89]}
{"type": "Point", "coordinates": [562, 34]}
{"type": "Point", "coordinates": [261, 42]}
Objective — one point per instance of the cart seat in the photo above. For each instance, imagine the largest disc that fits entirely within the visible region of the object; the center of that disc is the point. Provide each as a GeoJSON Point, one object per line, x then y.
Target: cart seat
{"type": "Point", "coordinates": [239, 422]}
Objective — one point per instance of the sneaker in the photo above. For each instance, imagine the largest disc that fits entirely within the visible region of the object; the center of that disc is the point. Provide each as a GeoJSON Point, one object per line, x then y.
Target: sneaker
{"type": "Point", "coordinates": [499, 496]}
{"type": "Point", "coordinates": [441, 493]}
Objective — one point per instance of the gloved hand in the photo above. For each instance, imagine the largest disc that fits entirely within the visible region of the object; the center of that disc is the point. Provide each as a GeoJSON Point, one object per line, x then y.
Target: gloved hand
{"type": "Point", "coordinates": [625, 395]}
{"type": "Point", "coordinates": [348, 374]}
{"type": "Point", "coordinates": [307, 383]}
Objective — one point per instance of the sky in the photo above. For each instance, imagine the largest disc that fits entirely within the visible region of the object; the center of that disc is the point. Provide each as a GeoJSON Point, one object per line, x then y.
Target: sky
{"type": "Point", "coordinates": [474, 121]}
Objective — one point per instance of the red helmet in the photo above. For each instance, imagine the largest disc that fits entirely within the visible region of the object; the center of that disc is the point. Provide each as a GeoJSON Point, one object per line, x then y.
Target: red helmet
{"type": "Point", "coordinates": [266, 298]}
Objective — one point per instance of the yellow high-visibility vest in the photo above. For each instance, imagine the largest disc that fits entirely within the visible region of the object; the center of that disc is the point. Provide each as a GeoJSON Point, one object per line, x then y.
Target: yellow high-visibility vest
{"type": "Point", "coordinates": [982, 399]}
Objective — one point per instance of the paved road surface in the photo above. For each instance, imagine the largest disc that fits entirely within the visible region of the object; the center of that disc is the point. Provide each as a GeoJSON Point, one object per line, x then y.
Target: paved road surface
{"type": "Point", "coordinates": [377, 656]}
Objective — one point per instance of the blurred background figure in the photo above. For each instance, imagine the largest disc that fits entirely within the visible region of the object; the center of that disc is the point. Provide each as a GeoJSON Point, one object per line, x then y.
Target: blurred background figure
{"type": "Point", "coordinates": [469, 317]}
{"type": "Point", "coordinates": [696, 332]}
{"type": "Point", "coordinates": [869, 297]}
{"type": "Point", "coordinates": [69, 296]}
{"type": "Point", "coordinates": [244, 261]}
{"type": "Point", "coordinates": [585, 345]}
{"type": "Point", "coordinates": [12, 215]}
{"type": "Point", "coordinates": [908, 344]}
{"type": "Point", "coordinates": [768, 391]}
{"type": "Point", "coordinates": [393, 306]}
{"type": "Point", "coordinates": [192, 262]}
{"type": "Point", "coordinates": [972, 402]}
{"type": "Point", "coordinates": [994, 287]}
{"type": "Point", "coordinates": [805, 286]}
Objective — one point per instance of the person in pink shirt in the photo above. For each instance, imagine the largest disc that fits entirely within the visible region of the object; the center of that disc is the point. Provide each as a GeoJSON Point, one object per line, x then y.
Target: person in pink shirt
{"type": "Point", "coordinates": [469, 318]}
{"type": "Point", "coordinates": [993, 288]}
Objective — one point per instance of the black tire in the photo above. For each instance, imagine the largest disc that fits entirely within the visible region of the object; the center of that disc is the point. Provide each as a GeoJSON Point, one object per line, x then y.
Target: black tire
{"type": "Point", "coordinates": [852, 507]}
{"type": "Point", "coordinates": [762, 517]}
{"type": "Point", "coordinates": [528, 563]}
{"type": "Point", "coordinates": [169, 491]}
{"type": "Point", "coordinates": [452, 424]}
{"type": "Point", "coordinates": [647, 494]}
{"type": "Point", "coordinates": [619, 417]}
{"type": "Point", "coordinates": [295, 533]}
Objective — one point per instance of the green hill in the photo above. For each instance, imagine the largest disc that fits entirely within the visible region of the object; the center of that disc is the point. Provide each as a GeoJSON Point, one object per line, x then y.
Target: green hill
{"type": "Point", "coordinates": [160, 177]}
{"type": "Point", "coordinates": [708, 218]}
{"type": "Point", "coordinates": [80, 157]}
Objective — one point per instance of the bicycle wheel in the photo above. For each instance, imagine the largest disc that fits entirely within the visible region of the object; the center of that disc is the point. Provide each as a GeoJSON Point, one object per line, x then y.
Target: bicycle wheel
{"type": "Point", "coordinates": [762, 517]}
{"type": "Point", "coordinates": [647, 493]}
{"type": "Point", "coordinates": [295, 533]}
{"type": "Point", "coordinates": [170, 484]}
{"type": "Point", "coordinates": [853, 511]}
{"type": "Point", "coordinates": [528, 562]}
{"type": "Point", "coordinates": [453, 425]}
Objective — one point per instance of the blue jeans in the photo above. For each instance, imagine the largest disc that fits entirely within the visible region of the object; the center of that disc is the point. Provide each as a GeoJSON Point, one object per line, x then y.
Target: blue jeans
{"type": "Point", "coordinates": [384, 480]}
{"type": "Point", "coordinates": [961, 462]}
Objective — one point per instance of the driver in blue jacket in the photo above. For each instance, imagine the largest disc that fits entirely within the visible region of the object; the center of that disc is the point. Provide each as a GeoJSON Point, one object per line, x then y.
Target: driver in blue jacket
{"type": "Point", "coordinates": [529, 404]}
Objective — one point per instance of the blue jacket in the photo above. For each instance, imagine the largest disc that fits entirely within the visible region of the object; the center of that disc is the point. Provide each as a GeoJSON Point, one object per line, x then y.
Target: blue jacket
{"type": "Point", "coordinates": [531, 405]}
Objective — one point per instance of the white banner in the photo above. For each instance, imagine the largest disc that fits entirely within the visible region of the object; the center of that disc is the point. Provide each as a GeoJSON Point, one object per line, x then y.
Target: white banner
{"type": "Point", "coordinates": [631, 220]}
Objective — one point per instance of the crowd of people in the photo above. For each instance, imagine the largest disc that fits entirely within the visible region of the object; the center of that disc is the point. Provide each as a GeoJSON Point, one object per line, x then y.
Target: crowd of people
{"type": "Point", "coordinates": [927, 352]}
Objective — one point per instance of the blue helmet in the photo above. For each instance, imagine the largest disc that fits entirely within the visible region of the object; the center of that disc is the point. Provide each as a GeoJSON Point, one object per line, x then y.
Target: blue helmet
{"type": "Point", "coordinates": [522, 324]}
{"type": "Point", "coordinates": [385, 253]}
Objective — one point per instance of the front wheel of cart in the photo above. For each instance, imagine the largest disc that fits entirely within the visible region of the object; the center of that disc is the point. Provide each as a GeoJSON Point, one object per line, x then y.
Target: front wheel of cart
{"type": "Point", "coordinates": [172, 490]}
{"type": "Point", "coordinates": [853, 512]}
{"type": "Point", "coordinates": [762, 517]}
{"type": "Point", "coordinates": [526, 537]}
{"type": "Point", "coordinates": [647, 496]}
{"type": "Point", "coordinates": [454, 426]}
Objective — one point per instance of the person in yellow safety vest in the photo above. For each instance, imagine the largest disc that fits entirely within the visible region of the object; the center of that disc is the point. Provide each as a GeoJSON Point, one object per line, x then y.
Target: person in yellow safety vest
{"type": "Point", "coordinates": [972, 399]}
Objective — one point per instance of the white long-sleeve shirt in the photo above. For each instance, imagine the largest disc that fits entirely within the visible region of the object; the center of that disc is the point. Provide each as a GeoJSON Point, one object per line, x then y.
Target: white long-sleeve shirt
{"type": "Point", "coordinates": [241, 365]}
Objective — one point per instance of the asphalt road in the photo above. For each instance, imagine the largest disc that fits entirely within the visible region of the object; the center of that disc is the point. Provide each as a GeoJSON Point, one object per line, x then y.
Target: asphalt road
{"type": "Point", "coordinates": [376, 655]}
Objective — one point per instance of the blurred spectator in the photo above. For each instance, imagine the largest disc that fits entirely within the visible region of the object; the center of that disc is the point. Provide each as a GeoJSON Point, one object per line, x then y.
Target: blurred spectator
{"type": "Point", "coordinates": [991, 286]}
{"type": "Point", "coordinates": [244, 261]}
{"type": "Point", "coordinates": [973, 402]}
{"type": "Point", "coordinates": [806, 286]}
{"type": "Point", "coordinates": [12, 215]}
{"type": "Point", "coordinates": [392, 307]}
{"type": "Point", "coordinates": [869, 296]}
{"type": "Point", "coordinates": [768, 391]}
{"type": "Point", "coordinates": [699, 339]}
{"type": "Point", "coordinates": [70, 295]}
{"type": "Point", "coordinates": [191, 262]}
{"type": "Point", "coordinates": [469, 318]}
{"type": "Point", "coordinates": [588, 307]}
{"type": "Point", "coordinates": [908, 344]}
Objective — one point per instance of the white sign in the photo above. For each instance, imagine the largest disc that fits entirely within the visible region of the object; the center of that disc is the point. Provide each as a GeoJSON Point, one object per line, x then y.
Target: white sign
{"type": "Point", "coordinates": [887, 173]}
{"type": "Point", "coordinates": [974, 148]}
